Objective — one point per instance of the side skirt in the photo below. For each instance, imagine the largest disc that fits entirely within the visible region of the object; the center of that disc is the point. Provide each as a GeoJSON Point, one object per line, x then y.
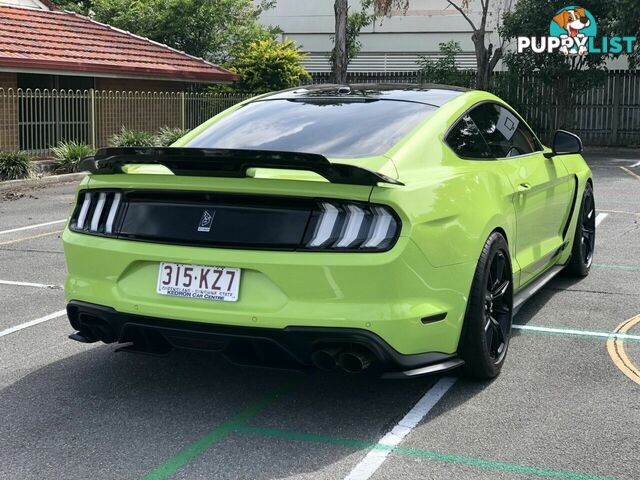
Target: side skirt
{"type": "Point", "coordinates": [532, 288]}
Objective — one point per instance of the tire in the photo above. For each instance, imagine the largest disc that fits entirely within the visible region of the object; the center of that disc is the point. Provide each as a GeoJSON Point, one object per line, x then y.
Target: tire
{"type": "Point", "coordinates": [487, 325]}
{"type": "Point", "coordinates": [584, 240]}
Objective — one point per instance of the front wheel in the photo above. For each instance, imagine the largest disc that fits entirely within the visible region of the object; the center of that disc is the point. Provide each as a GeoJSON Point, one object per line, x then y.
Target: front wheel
{"type": "Point", "coordinates": [487, 326]}
{"type": "Point", "coordinates": [584, 240]}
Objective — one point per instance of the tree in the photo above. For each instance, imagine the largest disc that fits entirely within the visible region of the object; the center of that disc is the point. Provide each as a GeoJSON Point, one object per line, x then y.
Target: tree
{"type": "Point", "coordinates": [346, 45]}
{"type": "Point", "coordinates": [486, 55]}
{"type": "Point", "coordinates": [622, 23]}
{"type": "Point", "coordinates": [269, 65]}
{"type": "Point", "coordinates": [339, 59]}
{"type": "Point", "coordinates": [216, 30]}
{"type": "Point", "coordinates": [566, 75]}
{"type": "Point", "coordinates": [355, 23]}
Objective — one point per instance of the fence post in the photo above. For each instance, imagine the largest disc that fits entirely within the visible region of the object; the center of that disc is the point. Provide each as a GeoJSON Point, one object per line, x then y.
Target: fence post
{"type": "Point", "coordinates": [184, 111]}
{"type": "Point", "coordinates": [92, 117]}
{"type": "Point", "coordinates": [615, 114]}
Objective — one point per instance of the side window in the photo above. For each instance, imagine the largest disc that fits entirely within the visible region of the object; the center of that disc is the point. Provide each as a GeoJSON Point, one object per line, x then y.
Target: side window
{"type": "Point", "coordinates": [523, 141]}
{"type": "Point", "coordinates": [505, 135]}
{"type": "Point", "coordinates": [465, 140]}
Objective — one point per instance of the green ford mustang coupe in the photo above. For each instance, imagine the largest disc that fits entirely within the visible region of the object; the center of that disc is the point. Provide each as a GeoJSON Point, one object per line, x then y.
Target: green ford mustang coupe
{"type": "Point", "coordinates": [388, 228]}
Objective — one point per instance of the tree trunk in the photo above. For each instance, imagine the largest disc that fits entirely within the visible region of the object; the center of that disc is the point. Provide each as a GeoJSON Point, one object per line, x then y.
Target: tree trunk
{"type": "Point", "coordinates": [339, 57]}
{"type": "Point", "coordinates": [482, 60]}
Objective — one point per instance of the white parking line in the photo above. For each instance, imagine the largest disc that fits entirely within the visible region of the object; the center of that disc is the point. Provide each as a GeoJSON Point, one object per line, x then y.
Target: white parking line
{"type": "Point", "coordinates": [600, 217]}
{"type": "Point", "coordinates": [37, 321]}
{"type": "Point", "coordinates": [637, 164]}
{"type": "Point", "coordinates": [578, 333]}
{"type": "Point", "coordinates": [376, 457]}
{"type": "Point", "coordinates": [29, 284]}
{"type": "Point", "coordinates": [30, 227]}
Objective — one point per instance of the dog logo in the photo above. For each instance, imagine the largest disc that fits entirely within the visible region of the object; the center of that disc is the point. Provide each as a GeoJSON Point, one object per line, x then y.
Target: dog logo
{"type": "Point", "coordinates": [573, 31]}
{"type": "Point", "coordinates": [206, 221]}
{"type": "Point", "coordinates": [573, 25]}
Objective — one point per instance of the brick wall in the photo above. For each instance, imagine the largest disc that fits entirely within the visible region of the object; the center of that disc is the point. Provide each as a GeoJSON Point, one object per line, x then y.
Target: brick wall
{"type": "Point", "coordinates": [9, 109]}
{"type": "Point", "coordinates": [148, 111]}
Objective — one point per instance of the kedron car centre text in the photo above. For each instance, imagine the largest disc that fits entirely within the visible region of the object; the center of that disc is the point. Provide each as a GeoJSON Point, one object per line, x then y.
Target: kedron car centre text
{"type": "Point", "coordinates": [573, 31]}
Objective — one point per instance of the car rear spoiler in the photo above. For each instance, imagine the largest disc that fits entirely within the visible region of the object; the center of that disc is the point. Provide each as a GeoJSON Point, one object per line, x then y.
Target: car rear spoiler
{"type": "Point", "coordinates": [214, 162]}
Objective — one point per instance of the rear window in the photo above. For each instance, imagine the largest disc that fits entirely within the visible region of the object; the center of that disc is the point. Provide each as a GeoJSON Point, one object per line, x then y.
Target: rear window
{"type": "Point", "coordinates": [333, 128]}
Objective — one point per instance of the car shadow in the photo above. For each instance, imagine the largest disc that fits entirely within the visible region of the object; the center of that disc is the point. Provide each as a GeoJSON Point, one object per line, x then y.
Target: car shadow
{"type": "Point", "coordinates": [99, 414]}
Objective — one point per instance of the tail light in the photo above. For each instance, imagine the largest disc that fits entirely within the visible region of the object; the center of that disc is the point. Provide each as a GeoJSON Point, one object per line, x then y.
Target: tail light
{"type": "Point", "coordinates": [345, 226]}
{"type": "Point", "coordinates": [292, 224]}
{"type": "Point", "coordinates": [96, 212]}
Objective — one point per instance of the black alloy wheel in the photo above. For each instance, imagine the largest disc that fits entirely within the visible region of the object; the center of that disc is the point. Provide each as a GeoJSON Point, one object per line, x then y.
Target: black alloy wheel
{"type": "Point", "coordinates": [584, 241]}
{"type": "Point", "coordinates": [497, 307]}
{"type": "Point", "coordinates": [484, 340]}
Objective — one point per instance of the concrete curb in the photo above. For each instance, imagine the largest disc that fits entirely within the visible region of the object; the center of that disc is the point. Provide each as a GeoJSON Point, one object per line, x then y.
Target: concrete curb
{"type": "Point", "coordinates": [48, 180]}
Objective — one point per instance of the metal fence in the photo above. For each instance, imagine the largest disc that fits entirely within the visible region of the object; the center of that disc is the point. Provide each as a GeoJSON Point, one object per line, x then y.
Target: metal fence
{"type": "Point", "coordinates": [36, 120]}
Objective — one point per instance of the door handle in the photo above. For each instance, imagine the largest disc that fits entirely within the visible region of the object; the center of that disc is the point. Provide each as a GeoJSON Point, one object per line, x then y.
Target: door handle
{"type": "Point", "coordinates": [523, 187]}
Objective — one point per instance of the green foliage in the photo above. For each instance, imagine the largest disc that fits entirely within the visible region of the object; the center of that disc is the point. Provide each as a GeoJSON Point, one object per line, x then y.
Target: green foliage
{"type": "Point", "coordinates": [132, 138]}
{"type": "Point", "coordinates": [269, 65]}
{"type": "Point", "coordinates": [79, 6]}
{"type": "Point", "coordinates": [444, 69]}
{"type": "Point", "coordinates": [165, 137]}
{"type": "Point", "coordinates": [624, 23]}
{"type": "Point", "coordinates": [69, 154]}
{"type": "Point", "coordinates": [15, 165]}
{"type": "Point", "coordinates": [216, 30]}
{"type": "Point", "coordinates": [531, 18]}
{"type": "Point", "coordinates": [568, 75]}
{"type": "Point", "coordinates": [355, 23]}
{"type": "Point", "coordinates": [168, 136]}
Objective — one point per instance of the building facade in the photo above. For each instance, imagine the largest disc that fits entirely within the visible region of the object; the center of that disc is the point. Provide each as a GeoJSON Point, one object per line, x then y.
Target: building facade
{"type": "Point", "coordinates": [53, 62]}
{"type": "Point", "coordinates": [392, 44]}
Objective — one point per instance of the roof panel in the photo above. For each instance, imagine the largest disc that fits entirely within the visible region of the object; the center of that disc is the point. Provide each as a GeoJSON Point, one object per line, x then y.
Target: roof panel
{"type": "Point", "coordinates": [431, 94]}
{"type": "Point", "coordinates": [67, 41]}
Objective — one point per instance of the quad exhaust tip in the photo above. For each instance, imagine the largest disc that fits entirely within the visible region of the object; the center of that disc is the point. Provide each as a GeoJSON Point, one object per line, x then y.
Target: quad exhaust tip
{"type": "Point", "coordinates": [351, 361]}
{"type": "Point", "coordinates": [326, 358]}
{"type": "Point", "coordinates": [354, 361]}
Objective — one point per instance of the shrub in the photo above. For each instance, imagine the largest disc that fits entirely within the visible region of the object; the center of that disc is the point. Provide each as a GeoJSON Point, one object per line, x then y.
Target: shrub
{"type": "Point", "coordinates": [69, 154]}
{"type": "Point", "coordinates": [444, 70]}
{"type": "Point", "coordinates": [131, 138]}
{"type": "Point", "coordinates": [15, 165]}
{"type": "Point", "coordinates": [269, 65]}
{"type": "Point", "coordinates": [168, 136]}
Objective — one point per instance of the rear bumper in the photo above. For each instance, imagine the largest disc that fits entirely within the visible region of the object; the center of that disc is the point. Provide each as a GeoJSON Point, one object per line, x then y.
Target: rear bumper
{"type": "Point", "coordinates": [289, 347]}
{"type": "Point", "coordinates": [394, 294]}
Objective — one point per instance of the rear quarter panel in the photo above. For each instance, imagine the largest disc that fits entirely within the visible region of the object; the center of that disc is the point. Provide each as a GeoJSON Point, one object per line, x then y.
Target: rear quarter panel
{"type": "Point", "coordinates": [452, 205]}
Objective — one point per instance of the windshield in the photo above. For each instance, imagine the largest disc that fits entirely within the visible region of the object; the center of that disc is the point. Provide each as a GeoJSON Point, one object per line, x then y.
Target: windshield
{"type": "Point", "coordinates": [329, 127]}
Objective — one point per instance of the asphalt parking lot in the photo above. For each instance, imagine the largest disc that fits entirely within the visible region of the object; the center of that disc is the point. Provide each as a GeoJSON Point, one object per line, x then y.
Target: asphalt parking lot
{"type": "Point", "coordinates": [566, 405]}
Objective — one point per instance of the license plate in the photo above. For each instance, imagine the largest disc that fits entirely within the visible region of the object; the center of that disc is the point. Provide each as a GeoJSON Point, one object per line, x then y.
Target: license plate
{"type": "Point", "coordinates": [199, 281]}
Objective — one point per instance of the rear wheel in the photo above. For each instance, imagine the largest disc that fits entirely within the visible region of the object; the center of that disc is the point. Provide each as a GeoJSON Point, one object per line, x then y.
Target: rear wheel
{"type": "Point", "coordinates": [487, 326]}
{"type": "Point", "coordinates": [584, 241]}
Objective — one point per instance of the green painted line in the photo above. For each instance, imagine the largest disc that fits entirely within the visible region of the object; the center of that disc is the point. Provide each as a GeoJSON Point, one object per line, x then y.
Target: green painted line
{"type": "Point", "coordinates": [426, 454]}
{"type": "Point", "coordinates": [171, 466]}
{"type": "Point", "coordinates": [616, 266]}
{"type": "Point", "coordinates": [580, 333]}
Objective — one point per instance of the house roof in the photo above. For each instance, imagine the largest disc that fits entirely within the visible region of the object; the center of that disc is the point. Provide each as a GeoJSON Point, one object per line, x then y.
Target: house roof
{"type": "Point", "coordinates": [63, 41]}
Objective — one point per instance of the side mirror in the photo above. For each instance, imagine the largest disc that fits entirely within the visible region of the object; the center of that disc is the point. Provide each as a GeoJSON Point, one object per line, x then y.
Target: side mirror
{"type": "Point", "coordinates": [565, 143]}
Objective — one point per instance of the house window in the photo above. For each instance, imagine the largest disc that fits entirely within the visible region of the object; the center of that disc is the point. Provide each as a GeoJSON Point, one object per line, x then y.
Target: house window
{"type": "Point", "coordinates": [51, 109]}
